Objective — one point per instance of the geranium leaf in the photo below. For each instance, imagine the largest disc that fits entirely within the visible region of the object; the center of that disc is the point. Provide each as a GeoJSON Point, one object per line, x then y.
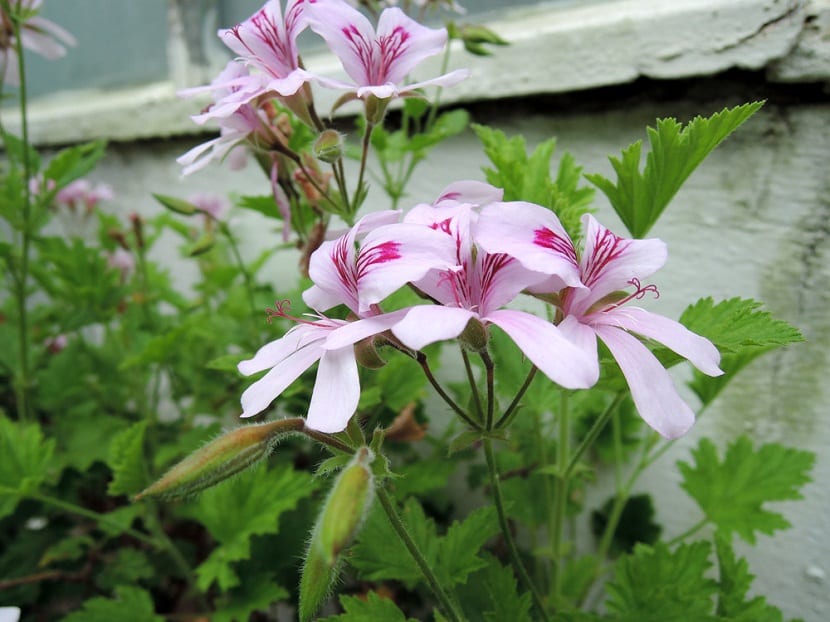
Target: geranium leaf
{"type": "Point", "coordinates": [25, 457]}
{"type": "Point", "coordinates": [732, 492]}
{"type": "Point", "coordinates": [131, 604]}
{"type": "Point", "coordinates": [126, 459]}
{"type": "Point", "coordinates": [676, 151]}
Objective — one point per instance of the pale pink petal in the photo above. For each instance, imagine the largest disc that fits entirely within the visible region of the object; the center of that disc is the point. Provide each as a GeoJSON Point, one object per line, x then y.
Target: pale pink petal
{"type": "Point", "coordinates": [498, 279]}
{"type": "Point", "coordinates": [610, 263]}
{"type": "Point", "coordinates": [448, 79]}
{"type": "Point", "coordinates": [348, 33]}
{"type": "Point", "coordinates": [652, 389]}
{"type": "Point", "coordinates": [276, 351]}
{"type": "Point", "coordinates": [259, 395]}
{"type": "Point", "coordinates": [353, 332]}
{"type": "Point", "coordinates": [531, 234]}
{"type": "Point", "coordinates": [404, 43]}
{"type": "Point", "coordinates": [52, 29]}
{"type": "Point", "coordinates": [470, 191]}
{"type": "Point", "coordinates": [557, 357]}
{"type": "Point", "coordinates": [691, 346]}
{"type": "Point", "coordinates": [427, 324]}
{"type": "Point", "coordinates": [336, 392]}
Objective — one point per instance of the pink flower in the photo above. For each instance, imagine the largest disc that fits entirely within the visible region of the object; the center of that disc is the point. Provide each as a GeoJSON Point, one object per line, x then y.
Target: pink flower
{"type": "Point", "coordinates": [121, 260]}
{"type": "Point", "coordinates": [388, 256]}
{"type": "Point", "coordinates": [266, 43]}
{"type": "Point", "coordinates": [479, 289]}
{"type": "Point", "coordinates": [82, 193]}
{"type": "Point", "coordinates": [378, 62]}
{"type": "Point", "coordinates": [599, 307]}
{"type": "Point", "coordinates": [36, 34]}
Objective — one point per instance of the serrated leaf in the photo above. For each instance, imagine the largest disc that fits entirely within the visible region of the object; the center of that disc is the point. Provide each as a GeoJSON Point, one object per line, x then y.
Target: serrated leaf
{"type": "Point", "coordinates": [732, 493]}
{"type": "Point", "coordinates": [131, 604]}
{"type": "Point", "coordinates": [128, 567]}
{"type": "Point", "coordinates": [126, 459]}
{"type": "Point", "coordinates": [68, 549]}
{"type": "Point", "coordinates": [370, 609]}
{"type": "Point", "coordinates": [734, 582]}
{"type": "Point", "coordinates": [258, 498]}
{"type": "Point", "coordinates": [492, 595]}
{"type": "Point", "coordinates": [675, 152]}
{"type": "Point", "coordinates": [25, 457]}
{"type": "Point", "coordinates": [737, 324]}
{"type": "Point", "coordinates": [256, 593]}
{"type": "Point", "coordinates": [458, 553]}
{"type": "Point", "coordinates": [655, 584]}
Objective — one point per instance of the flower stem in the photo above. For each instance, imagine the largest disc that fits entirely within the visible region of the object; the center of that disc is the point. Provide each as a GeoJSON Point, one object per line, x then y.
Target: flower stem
{"type": "Point", "coordinates": [560, 501]}
{"type": "Point", "coordinates": [449, 608]}
{"type": "Point", "coordinates": [515, 558]}
{"type": "Point", "coordinates": [22, 383]}
{"type": "Point", "coordinates": [364, 155]}
{"type": "Point", "coordinates": [593, 433]}
{"type": "Point", "coordinates": [689, 532]}
{"type": "Point", "coordinates": [473, 386]}
{"type": "Point", "coordinates": [249, 285]}
{"type": "Point", "coordinates": [489, 367]}
{"type": "Point", "coordinates": [422, 361]}
{"type": "Point", "coordinates": [507, 417]}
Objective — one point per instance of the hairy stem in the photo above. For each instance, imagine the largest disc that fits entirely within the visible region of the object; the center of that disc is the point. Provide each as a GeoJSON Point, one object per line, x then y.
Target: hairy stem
{"type": "Point", "coordinates": [560, 501]}
{"type": "Point", "coordinates": [447, 605]}
{"type": "Point", "coordinates": [513, 551]}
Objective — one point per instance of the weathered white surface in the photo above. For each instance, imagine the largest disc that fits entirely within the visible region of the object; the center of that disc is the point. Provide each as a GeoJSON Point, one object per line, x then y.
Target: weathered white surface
{"type": "Point", "coordinates": [554, 48]}
{"type": "Point", "coordinates": [754, 221]}
{"type": "Point", "coordinates": [809, 60]}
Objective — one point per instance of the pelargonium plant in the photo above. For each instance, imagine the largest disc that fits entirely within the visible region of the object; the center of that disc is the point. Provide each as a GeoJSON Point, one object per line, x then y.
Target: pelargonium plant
{"type": "Point", "coordinates": [498, 279]}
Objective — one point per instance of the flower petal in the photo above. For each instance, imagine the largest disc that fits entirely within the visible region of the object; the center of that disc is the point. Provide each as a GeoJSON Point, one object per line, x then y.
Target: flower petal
{"type": "Point", "coordinates": [276, 351]}
{"type": "Point", "coordinates": [427, 324]}
{"type": "Point", "coordinates": [470, 191]}
{"type": "Point", "coordinates": [610, 263]}
{"type": "Point", "coordinates": [558, 358]}
{"type": "Point", "coordinates": [404, 43]}
{"type": "Point", "coordinates": [259, 395]}
{"type": "Point", "coordinates": [533, 235]}
{"type": "Point", "coordinates": [352, 332]}
{"type": "Point", "coordinates": [652, 389]}
{"type": "Point", "coordinates": [698, 350]}
{"type": "Point", "coordinates": [349, 35]}
{"type": "Point", "coordinates": [336, 392]}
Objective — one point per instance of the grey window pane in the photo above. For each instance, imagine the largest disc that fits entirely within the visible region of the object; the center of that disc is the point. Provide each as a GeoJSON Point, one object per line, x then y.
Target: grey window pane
{"type": "Point", "coordinates": [119, 43]}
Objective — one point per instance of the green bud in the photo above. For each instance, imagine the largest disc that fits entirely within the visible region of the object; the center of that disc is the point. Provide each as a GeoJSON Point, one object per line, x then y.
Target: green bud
{"type": "Point", "coordinates": [367, 354]}
{"type": "Point", "coordinates": [339, 522]}
{"type": "Point", "coordinates": [329, 146]}
{"type": "Point", "coordinates": [223, 457]}
{"type": "Point", "coordinates": [202, 245]}
{"type": "Point", "coordinates": [475, 33]}
{"type": "Point", "coordinates": [474, 336]}
{"type": "Point", "coordinates": [180, 206]}
{"type": "Point", "coordinates": [347, 506]}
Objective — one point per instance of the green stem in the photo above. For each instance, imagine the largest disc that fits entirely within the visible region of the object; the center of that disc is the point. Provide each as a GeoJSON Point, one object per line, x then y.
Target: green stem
{"type": "Point", "coordinates": [515, 558]}
{"type": "Point", "coordinates": [367, 141]}
{"type": "Point", "coordinates": [22, 384]}
{"type": "Point", "coordinates": [489, 367]}
{"type": "Point", "coordinates": [249, 284]}
{"type": "Point", "coordinates": [689, 532]}
{"type": "Point", "coordinates": [81, 511]}
{"type": "Point", "coordinates": [507, 417]}
{"type": "Point", "coordinates": [422, 361]}
{"type": "Point", "coordinates": [447, 605]}
{"type": "Point", "coordinates": [473, 386]}
{"type": "Point", "coordinates": [593, 433]}
{"type": "Point", "coordinates": [560, 501]}
{"type": "Point", "coordinates": [433, 111]}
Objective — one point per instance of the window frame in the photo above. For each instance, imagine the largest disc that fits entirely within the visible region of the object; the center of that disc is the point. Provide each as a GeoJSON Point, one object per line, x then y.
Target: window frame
{"type": "Point", "coordinates": [554, 48]}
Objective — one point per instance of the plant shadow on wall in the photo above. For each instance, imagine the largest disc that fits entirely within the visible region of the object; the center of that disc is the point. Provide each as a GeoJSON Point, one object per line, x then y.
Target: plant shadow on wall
{"type": "Point", "coordinates": [105, 515]}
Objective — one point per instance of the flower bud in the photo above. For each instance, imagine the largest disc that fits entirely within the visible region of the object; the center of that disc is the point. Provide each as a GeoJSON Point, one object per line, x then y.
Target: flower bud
{"type": "Point", "coordinates": [375, 109]}
{"type": "Point", "coordinates": [347, 506]}
{"type": "Point", "coordinates": [367, 354]}
{"type": "Point", "coordinates": [474, 336]}
{"type": "Point", "coordinates": [329, 146]}
{"type": "Point", "coordinates": [222, 458]}
{"type": "Point", "coordinates": [339, 522]}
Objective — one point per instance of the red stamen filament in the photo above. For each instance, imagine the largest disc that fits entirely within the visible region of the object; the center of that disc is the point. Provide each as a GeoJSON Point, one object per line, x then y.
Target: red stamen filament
{"type": "Point", "coordinates": [639, 294]}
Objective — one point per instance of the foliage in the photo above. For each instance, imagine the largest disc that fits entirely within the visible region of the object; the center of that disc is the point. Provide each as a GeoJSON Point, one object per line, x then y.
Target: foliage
{"type": "Point", "coordinates": [113, 376]}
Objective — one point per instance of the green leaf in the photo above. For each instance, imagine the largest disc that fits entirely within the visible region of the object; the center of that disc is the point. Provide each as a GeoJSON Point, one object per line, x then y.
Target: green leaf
{"type": "Point", "coordinates": [492, 595]}
{"type": "Point", "coordinates": [735, 581]}
{"type": "Point", "coordinates": [458, 552]}
{"type": "Point", "coordinates": [264, 204]}
{"type": "Point", "coordinates": [127, 568]}
{"type": "Point", "coordinates": [732, 493]}
{"type": "Point", "coordinates": [655, 584]}
{"type": "Point", "coordinates": [256, 593]}
{"type": "Point", "coordinates": [227, 362]}
{"type": "Point", "coordinates": [423, 476]}
{"type": "Point", "coordinates": [131, 604]}
{"type": "Point", "coordinates": [528, 177]}
{"type": "Point", "coordinates": [446, 125]}
{"type": "Point", "coordinates": [676, 151]}
{"type": "Point", "coordinates": [73, 162]}
{"type": "Point", "coordinates": [738, 324]}
{"type": "Point", "coordinates": [258, 498]}
{"type": "Point", "coordinates": [126, 459]}
{"type": "Point", "coordinates": [371, 609]}
{"type": "Point", "coordinates": [25, 457]}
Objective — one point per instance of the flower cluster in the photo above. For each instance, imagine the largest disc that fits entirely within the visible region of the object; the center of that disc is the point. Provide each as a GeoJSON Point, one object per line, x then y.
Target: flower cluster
{"type": "Point", "coordinates": [470, 255]}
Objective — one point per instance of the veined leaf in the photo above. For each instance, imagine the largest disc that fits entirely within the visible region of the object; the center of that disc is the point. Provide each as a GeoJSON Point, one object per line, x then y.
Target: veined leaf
{"type": "Point", "coordinates": [370, 609]}
{"type": "Point", "coordinates": [25, 457]}
{"type": "Point", "coordinates": [735, 580]}
{"type": "Point", "coordinates": [639, 198]}
{"type": "Point", "coordinates": [131, 604]}
{"type": "Point", "coordinates": [126, 459]}
{"type": "Point", "coordinates": [732, 493]}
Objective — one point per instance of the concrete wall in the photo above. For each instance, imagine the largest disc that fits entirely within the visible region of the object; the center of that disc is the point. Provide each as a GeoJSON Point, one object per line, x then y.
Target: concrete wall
{"type": "Point", "coordinates": [753, 221]}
